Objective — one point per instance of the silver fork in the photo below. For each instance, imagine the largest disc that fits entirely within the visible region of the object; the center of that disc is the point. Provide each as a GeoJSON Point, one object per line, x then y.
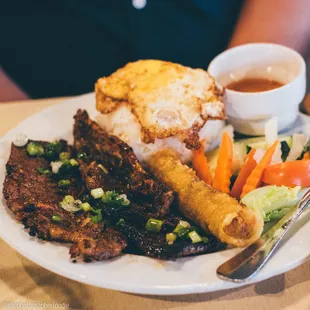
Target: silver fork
{"type": "Point", "coordinates": [250, 261]}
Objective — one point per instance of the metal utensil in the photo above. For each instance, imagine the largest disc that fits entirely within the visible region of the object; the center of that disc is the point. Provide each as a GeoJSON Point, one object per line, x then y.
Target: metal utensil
{"type": "Point", "coordinates": [250, 261]}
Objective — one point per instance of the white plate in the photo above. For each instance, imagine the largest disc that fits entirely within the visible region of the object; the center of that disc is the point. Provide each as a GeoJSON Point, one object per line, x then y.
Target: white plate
{"type": "Point", "coordinates": [129, 273]}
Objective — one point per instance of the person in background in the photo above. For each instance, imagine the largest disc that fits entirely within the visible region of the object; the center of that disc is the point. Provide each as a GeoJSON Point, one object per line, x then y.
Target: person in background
{"type": "Point", "coordinates": [61, 47]}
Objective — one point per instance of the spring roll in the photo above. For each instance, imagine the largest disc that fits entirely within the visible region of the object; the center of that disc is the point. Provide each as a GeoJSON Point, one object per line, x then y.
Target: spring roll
{"type": "Point", "coordinates": [222, 215]}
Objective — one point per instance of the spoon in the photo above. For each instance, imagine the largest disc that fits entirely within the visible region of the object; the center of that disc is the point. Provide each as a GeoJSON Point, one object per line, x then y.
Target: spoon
{"type": "Point", "coordinates": [245, 265]}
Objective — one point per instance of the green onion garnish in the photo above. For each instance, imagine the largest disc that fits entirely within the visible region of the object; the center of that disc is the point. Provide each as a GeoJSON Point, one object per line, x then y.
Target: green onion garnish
{"type": "Point", "coordinates": [70, 204]}
{"type": "Point", "coordinates": [114, 199]}
{"type": "Point", "coordinates": [154, 225]}
{"type": "Point", "coordinates": [82, 155]}
{"type": "Point", "coordinates": [97, 193]}
{"type": "Point", "coordinates": [69, 199]}
{"type": "Point", "coordinates": [56, 166]}
{"type": "Point", "coordinates": [120, 222]}
{"type": "Point", "coordinates": [42, 170]}
{"type": "Point", "coordinates": [182, 232]}
{"type": "Point", "coordinates": [97, 218]}
{"type": "Point", "coordinates": [73, 162]}
{"type": "Point", "coordinates": [68, 166]}
{"type": "Point", "coordinates": [181, 225]}
{"type": "Point", "coordinates": [64, 156]}
{"type": "Point", "coordinates": [109, 196]}
{"type": "Point", "coordinates": [52, 150]}
{"type": "Point", "coordinates": [64, 183]}
{"type": "Point", "coordinates": [205, 239]}
{"type": "Point", "coordinates": [170, 238]}
{"type": "Point", "coordinates": [34, 149]}
{"type": "Point", "coordinates": [195, 237]}
{"type": "Point", "coordinates": [56, 218]}
{"type": "Point", "coordinates": [85, 206]}
{"type": "Point", "coordinates": [123, 200]}
{"type": "Point", "coordinates": [40, 149]}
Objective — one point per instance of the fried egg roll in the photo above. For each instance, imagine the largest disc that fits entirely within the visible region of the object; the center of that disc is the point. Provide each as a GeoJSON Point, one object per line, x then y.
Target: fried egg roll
{"type": "Point", "coordinates": [214, 211]}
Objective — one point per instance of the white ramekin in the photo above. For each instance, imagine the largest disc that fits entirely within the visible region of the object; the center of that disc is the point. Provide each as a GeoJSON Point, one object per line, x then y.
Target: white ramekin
{"type": "Point", "coordinates": [248, 112]}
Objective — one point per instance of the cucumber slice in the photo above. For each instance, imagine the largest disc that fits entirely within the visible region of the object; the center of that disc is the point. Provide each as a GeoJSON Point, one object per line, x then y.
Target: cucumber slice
{"type": "Point", "coordinates": [262, 144]}
{"type": "Point", "coordinates": [286, 144]}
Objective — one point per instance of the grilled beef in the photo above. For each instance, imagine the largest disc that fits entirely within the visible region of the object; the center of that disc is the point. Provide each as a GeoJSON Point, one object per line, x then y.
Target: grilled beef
{"type": "Point", "coordinates": [35, 197]}
{"type": "Point", "coordinates": [110, 163]}
{"type": "Point", "coordinates": [155, 244]}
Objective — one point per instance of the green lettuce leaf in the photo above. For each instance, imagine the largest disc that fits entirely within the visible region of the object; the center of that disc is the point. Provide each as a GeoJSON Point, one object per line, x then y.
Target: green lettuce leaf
{"type": "Point", "coordinates": [272, 201]}
{"type": "Point", "coordinates": [276, 214]}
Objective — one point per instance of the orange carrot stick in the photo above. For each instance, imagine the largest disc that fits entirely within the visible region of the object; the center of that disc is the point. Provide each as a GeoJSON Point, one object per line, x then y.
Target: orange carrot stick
{"type": "Point", "coordinates": [246, 169]}
{"type": "Point", "coordinates": [255, 177]}
{"type": "Point", "coordinates": [306, 156]}
{"type": "Point", "coordinates": [223, 169]}
{"type": "Point", "coordinates": [201, 166]}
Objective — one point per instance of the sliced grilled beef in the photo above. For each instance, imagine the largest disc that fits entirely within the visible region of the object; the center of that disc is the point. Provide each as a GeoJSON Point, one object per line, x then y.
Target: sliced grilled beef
{"type": "Point", "coordinates": [35, 197]}
{"type": "Point", "coordinates": [155, 244]}
{"type": "Point", "coordinates": [108, 162]}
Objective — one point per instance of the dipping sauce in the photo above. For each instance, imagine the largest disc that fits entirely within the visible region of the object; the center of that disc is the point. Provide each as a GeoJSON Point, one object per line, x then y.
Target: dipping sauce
{"type": "Point", "coordinates": [253, 85]}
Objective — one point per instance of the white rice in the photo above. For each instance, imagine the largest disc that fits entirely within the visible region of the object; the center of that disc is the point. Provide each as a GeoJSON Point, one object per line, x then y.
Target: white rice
{"type": "Point", "coordinates": [123, 124]}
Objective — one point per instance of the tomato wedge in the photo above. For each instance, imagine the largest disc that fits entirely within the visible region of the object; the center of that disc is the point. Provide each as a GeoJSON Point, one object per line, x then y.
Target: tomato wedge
{"type": "Point", "coordinates": [291, 173]}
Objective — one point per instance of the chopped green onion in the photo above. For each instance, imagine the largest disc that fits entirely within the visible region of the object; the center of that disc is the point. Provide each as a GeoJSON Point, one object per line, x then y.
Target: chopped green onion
{"type": "Point", "coordinates": [64, 156]}
{"type": "Point", "coordinates": [185, 224]}
{"type": "Point", "coordinates": [181, 224]}
{"type": "Point", "coordinates": [170, 238]}
{"type": "Point", "coordinates": [123, 200]}
{"type": "Point", "coordinates": [114, 199]}
{"type": "Point", "coordinates": [182, 232]}
{"type": "Point", "coordinates": [42, 170]}
{"type": "Point", "coordinates": [82, 155]}
{"type": "Point", "coordinates": [56, 166]}
{"type": "Point", "coordinates": [97, 218]}
{"type": "Point", "coordinates": [34, 149]}
{"type": "Point", "coordinates": [40, 149]}
{"type": "Point", "coordinates": [195, 237]}
{"type": "Point", "coordinates": [69, 199]}
{"type": "Point", "coordinates": [70, 204]}
{"type": "Point", "coordinates": [68, 166]}
{"type": "Point", "coordinates": [205, 239]}
{"type": "Point", "coordinates": [108, 196]}
{"type": "Point", "coordinates": [52, 150]}
{"type": "Point", "coordinates": [85, 206]}
{"type": "Point", "coordinates": [97, 193]}
{"type": "Point", "coordinates": [64, 183]}
{"type": "Point", "coordinates": [73, 162]}
{"type": "Point", "coordinates": [56, 218]}
{"type": "Point", "coordinates": [154, 225]}
{"type": "Point", "coordinates": [120, 222]}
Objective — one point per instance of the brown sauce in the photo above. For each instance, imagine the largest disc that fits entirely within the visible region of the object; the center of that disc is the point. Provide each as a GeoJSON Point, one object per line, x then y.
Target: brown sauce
{"type": "Point", "coordinates": [251, 85]}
